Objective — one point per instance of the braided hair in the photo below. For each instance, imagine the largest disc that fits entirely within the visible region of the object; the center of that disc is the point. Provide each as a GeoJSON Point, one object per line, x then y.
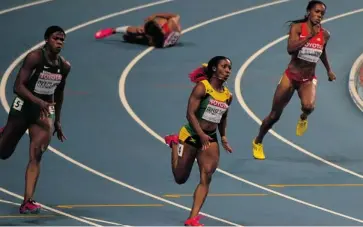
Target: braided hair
{"type": "Point", "coordinates": [205, 72]}
{"type": "Point", "coordinates": [310, 5]}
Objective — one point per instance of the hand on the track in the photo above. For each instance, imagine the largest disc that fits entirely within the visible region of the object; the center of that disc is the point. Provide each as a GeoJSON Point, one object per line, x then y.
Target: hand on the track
{"type": "Point", "coordinates": [58, 129]}
{"type": "Point", "coordinates": [331, 76]}
{"type": "Point", "coordinates": [226, 145]}
{"type": "Point", "coordinates": [205, 140]}
{"type": "Point", "coordinates": [140, 30]}
{"type": "Point", "coordinates": [45, 109]}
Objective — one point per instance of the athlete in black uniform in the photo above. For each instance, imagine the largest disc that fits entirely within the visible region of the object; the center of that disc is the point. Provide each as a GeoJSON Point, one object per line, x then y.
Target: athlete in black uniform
{"type": "Point", "coordinates": [37, 106]}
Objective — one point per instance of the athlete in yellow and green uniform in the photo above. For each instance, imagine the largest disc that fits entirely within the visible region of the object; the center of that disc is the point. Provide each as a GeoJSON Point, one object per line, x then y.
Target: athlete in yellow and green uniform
{"type": "Point", "coordinates": [207, 111]}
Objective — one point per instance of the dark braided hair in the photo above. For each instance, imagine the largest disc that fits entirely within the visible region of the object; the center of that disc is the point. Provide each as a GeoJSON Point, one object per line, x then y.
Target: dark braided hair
{"type": "Point", "coordinates": [214, 63]}
{"type": "Point", "coordinates": [153, 29]}
{"type": "Point", "coordinates": [205, 72]}
{"type": "Point", "coordinates": [311, 5]}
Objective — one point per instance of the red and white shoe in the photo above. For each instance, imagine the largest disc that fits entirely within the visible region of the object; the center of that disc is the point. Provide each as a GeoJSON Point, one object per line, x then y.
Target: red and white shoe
{"type": "Point", "coordinates": [29, 207]}
{"type": "Point", "coordinates": [170, 139]}
{"type": "Point", "coordinates": [103, 33]}
{"type": "Point", "coordinates": [193, 221]}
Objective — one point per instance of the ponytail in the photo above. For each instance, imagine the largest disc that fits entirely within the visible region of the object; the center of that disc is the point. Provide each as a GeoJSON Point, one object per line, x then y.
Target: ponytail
{"type": "Point", "coordinates": [199, 73]}
{"type": "Point", "coordinates": [205, 72]}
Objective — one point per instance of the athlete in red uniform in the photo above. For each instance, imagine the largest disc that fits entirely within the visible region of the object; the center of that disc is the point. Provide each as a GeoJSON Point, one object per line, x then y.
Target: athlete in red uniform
{"type": "Point", "coordinates": [159, 30]}
{"type": "Point", "coordinates": [306, 45]}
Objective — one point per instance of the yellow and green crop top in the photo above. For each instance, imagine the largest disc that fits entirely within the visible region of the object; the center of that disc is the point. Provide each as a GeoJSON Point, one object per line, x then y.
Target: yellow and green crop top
{"type": "Point", "coordinates": [214, 104]}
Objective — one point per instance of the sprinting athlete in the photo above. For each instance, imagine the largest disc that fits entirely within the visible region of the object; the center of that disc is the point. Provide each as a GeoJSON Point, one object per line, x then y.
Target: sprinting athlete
{"type": "Point", "coordinates": [307, 45]}
{"type": "Point", "coordinates": [206, 113]}
{"type": "Point", "coordinates": [37, 105]}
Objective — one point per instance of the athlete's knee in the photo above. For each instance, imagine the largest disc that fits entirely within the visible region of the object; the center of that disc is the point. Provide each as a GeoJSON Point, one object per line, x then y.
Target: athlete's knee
{"type": "Point", "coordinates": [180, 176]}
{"type": "Point", "coordinates": [36, 151]}
{"type": "Point", "coordinates": [206, 178]}
{"type": "Point", "coordinates": [274, 116]}
{"type": "Point", "coordinates": [308, 107]}
{"type": "Point", "coordinates": [5, 154]}
{"type": "Point", "coordinates": [206, 174]}
{"type": "Point", "coordinates": [5, 151]}
{"type": "Point", "coordinates": [180, 179]}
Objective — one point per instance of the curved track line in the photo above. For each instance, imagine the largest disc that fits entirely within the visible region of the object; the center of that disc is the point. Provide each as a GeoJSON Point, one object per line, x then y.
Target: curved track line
{"type": "Point", "coordinates": [131, 187]}
{"type": "Point", "coordinates": [23, 6]}
{"type": "Point", "coordinates": [6, 107]}
{"type": "Point", "coordinates": [134, 61]}
{"type": "Point", "coordinates": [90, 219]}
{"type": "Point", "coordinates": [240, 99]}
{"type": "Point", "coordinates": [17, 61]}
{"type": "Point", "coordinates": [123, 98]}
{"type": "Point", "coordinates": [352, 80]}
{"type": "Point", "coordinates": [5, 104]}
{"type": "Point", "coordinates": [9, 202]}
{"type": "Point", "coordinates": [105, 222]}
{"type": "Point", "coordinates": [51, 209]}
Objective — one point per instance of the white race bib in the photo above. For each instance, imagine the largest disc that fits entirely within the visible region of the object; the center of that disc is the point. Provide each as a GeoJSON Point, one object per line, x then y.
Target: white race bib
{"type": "Point", "coordinates": [180, 150]}
{"type": "Point", "coordinates": [214, 111]}
{"type": "Point", "coordinates": [47, 83]}
{"type": "Point", "coordinates": [310, 54]}
{"type": "Point", "coordinates": [172, 38]}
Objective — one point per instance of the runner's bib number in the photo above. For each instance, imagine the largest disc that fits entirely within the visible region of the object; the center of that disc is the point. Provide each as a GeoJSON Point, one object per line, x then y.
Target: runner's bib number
{"type": "Point", "coordinates": [214, 111]}
{"type": "Point", "coordinates": [310, 54]}
{"type": "Point", "coordinates": [172, 38]}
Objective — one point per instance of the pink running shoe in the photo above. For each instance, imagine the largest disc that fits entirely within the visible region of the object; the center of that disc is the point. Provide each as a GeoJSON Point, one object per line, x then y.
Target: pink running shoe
{"type": "Point", "coordinates": [29, 207]}
{"type": "Point", "coordinates": [169, 139]}
{"type": "Point", "coordinates": [103, 33]}
{"type": "Point", "coordinates": [2, 129]}
{"type": "Point", "coordinates": [193, 221]}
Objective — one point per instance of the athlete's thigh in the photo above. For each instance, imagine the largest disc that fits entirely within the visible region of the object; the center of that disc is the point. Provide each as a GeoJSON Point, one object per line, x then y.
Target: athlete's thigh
{"type": "Point", "coordinates": [283, 93]}
{"type": "Point", "coordinates": [40, 134]}
{"type": "Point", "coordinates": [186, 155]}
{"type": "Point", "coordinates": [14, 130]}
{"type": "Point", "coordinates": [208, 159]}
{"type": "Point", "coordinates": [307, 93]}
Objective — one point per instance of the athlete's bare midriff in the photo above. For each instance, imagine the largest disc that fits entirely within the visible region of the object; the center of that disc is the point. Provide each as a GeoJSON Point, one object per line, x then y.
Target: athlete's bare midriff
{"type": "Point", "coordinates": [303, 68]}
{"type": "Point", "coordinates": [207, 126]}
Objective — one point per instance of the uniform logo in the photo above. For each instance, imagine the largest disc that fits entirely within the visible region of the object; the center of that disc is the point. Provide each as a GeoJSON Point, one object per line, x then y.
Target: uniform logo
{"type": "Point", "coordinates": [47, 82]}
